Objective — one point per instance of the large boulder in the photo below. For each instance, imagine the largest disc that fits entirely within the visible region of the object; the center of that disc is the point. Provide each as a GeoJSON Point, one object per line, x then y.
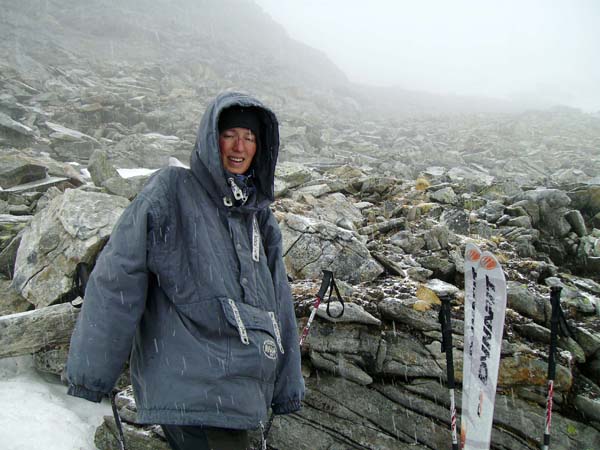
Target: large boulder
{"type": "Point", "coordinates": [16, 170]}
{"type": "Point", "coordinates": [310, 246]}
{"type": "Point", "coordinates": [71, 229]}
{"type": "Point", "coordinates": [586, 199]}
{"type": "Point", "coordinates": [337, 209]}
{"type": "Point", "coordinates": [547, 209]}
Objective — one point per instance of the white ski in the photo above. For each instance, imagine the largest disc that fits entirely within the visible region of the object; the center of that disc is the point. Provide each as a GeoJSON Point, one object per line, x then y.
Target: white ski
{"type": "Point", "coordinates": [488, 327]}
{"type": "Point", "coordinates": [472, 256]}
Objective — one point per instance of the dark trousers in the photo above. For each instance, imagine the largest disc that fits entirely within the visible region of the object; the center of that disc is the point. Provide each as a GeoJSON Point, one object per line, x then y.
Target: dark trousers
{"type": "Point", "coordinates": [205, 438]}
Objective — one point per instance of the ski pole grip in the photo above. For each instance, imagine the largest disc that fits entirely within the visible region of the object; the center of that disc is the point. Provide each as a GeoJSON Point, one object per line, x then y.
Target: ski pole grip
{"type": "Point", "coordinates": [327, 277]}
{"type": "Point", "coordinates": [555, 299]}
{"type": "Point", "coordinates": [554, 321]}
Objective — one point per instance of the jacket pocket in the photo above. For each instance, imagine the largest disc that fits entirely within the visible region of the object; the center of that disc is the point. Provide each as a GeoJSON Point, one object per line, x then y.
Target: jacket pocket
{"type": "Point", "coordinates": [256, 351]}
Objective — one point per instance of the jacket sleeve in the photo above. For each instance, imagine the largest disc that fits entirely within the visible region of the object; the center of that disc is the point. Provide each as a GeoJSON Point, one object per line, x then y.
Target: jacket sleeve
{"type": "Point", "coordinates": [289, 385]}
{"type": "Point", "coordinates": [114, 302]}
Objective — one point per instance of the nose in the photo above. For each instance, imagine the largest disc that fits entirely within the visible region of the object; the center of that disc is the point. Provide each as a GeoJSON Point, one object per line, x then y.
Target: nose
{"type": "Point", "coordinates": [239, 144]}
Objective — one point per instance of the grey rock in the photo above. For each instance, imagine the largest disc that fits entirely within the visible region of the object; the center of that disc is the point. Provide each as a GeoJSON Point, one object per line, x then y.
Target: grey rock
{"type": "Point", "coordinates": [10, 226]}
{"type": "Point", "coordinates": [408, 241]}
{"type": "Point", "coordinates": [30, 331]}
{"type": "Point", "coordinates": [577, 221]}
{"type": "Point", "coordinates": [8, 256]}
{"type": "Point", "coordinates": [408, 358]}
{"type": "Point", "coordinates": [419, 273]}
{"type": "Point", "coordinates": [337, 209]}
{"type": "Point", "coordinates": [445, 196]}
{"type": "Point", "coordinates": [441, 267]}
{"type": "Point", "coordinates": [10, 300]}
{"type": "Point", "coordinates": [457, 220]}
{"type": "Point", "coordinates": [334, 338]}
{"type": "Point", "coordinates": [52, 360]}
{"type": "Point", "coordinates": [391, 263]}
{"type": "Point", "coordinates": [589, 342]}
{"type": "Point", "coordinates": [432, 210]}
{"type": "Point", "coordinates": [520, 221]}
{"type": "Point", "coordinates": [100, 168]}
{"type": "Point", "coordinates": [313, 245]}
{"type": "Point", "coordinates": [358, 417]}
{"type": "Point", "coordinates": [293, 174]}
{"type": "Point", "coordinates": [516, 210]}
{"type": "Point", "coordinates": [67, 134]}
{"type": "Point", "coordinates": [569, 344]}
{"type": "Point", "coordinates": [315, 190]}
{"type": "Point", "coordinates": [492, 211]}
{"type": "Point", "coordinates": [126, 187]}
{"type": "Point", "coordinates": [571, 298]}
{"type": "Point", "coordinates": [72, 229]}
{"type": "Point", "coordinates": [353, 313]}
{"type": "Point", "coordinates": [16, 170]}
{"type": "Point", "coordinates": [534, 332]}
{"type": "Point", "coordinates": [379, 185]}
{"type": "Point", "coordinates": [41, 185]}
{"type": "Point", "coordinates": [527, 302]}
{"type": "Point", "coordinates": [142, 438]}
{"type": "Point", "coordinates": [471, 177]}
{"type": "Point", "coordinates": [398, 311]}
{"type": "Point", "coordinates": [7, 123]}
{"type": "Point", "coordinates": [340, 366]}
{"type": "Point", "coordinates": [438, 238]}
{"type": "Point", "coordinates": [590, 408]}
{"type": "Point", "coordinates": [586, 199]}
{"type": "Point", "coordinates": [552, 205]}
{"type": "Point", "coordinates": [441, 288]}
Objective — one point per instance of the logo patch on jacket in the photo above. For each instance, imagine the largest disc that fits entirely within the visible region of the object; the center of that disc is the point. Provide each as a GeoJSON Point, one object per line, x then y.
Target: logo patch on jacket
{"type": "Point", "coordinates": [270, 349]}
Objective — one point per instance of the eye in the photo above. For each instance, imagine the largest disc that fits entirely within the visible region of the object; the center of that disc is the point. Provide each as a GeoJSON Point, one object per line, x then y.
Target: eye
{"type": "Point", "coordinates": [250, 138]}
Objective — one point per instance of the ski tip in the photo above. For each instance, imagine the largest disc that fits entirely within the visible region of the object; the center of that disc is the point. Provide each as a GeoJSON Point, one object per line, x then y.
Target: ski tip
{"type": "Point", "coordinates": [488, 262]}
{"type": "Point", "coordinates": [472, 253]}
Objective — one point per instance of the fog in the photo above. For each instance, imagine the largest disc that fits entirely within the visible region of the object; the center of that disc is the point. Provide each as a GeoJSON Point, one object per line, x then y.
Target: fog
{"type": "Point", "coordinates": [540, 51]}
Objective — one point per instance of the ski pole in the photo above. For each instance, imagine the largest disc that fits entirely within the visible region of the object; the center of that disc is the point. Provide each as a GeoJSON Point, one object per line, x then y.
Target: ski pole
{"type": "Point", "coordinates": [446, 323]}
{"type": "Point", "coordinates": [120, 436]}
{"type": "Point", "coordinates": [554, 322]}
{"type": "Point", "coordinates": [328, 282]}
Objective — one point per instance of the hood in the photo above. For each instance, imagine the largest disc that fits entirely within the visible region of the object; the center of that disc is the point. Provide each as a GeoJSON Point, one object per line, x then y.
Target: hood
{"type": "Point", "coordinates": [206, 162]}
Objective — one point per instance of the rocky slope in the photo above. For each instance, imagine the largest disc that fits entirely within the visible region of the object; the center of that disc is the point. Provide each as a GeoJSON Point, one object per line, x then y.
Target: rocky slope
{"type": "Point", "coordinates": [386, 201]}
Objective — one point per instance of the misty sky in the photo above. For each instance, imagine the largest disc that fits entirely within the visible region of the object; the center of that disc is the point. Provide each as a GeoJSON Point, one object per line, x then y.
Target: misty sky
{"type": "Point", "coordinates": [530, 49]}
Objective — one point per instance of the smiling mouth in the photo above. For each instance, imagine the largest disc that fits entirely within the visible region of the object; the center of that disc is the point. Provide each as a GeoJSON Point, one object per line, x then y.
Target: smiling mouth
{"type": "Point", "coordinates": [236, 160]}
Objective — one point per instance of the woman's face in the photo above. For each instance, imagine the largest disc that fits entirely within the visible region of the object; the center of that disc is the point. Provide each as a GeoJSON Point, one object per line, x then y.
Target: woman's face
{"type": "Point", "coordinates": [238, 147]}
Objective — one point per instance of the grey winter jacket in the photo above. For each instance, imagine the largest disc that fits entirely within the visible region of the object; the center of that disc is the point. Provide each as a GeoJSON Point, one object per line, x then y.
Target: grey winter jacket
{"type": "Point", "coordinates": [196, 289]}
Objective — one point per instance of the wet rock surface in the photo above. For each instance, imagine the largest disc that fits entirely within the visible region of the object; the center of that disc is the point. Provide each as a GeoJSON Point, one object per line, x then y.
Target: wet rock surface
{"type": "Point", "coordinates": [386, 200]}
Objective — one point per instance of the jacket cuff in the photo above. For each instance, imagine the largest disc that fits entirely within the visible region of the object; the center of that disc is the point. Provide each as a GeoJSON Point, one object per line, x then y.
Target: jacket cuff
{"type": "Point", "coordinates": [81, 392]}
{"type": "Point", "coordinates": [287, 407]}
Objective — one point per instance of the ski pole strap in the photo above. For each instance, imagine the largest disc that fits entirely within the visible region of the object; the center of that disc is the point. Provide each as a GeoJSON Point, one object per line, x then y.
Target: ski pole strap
{"type": "Point", "coordinates": [339, 296]}
{"type": "Point", "coordinates": [120, 436]}
{"type": "Point", "coordinates": [329, 283]}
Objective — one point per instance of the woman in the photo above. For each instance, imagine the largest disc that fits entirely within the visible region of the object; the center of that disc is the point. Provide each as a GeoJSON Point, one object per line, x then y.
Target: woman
{"type": "Point", "coordinates": [192, 282]}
